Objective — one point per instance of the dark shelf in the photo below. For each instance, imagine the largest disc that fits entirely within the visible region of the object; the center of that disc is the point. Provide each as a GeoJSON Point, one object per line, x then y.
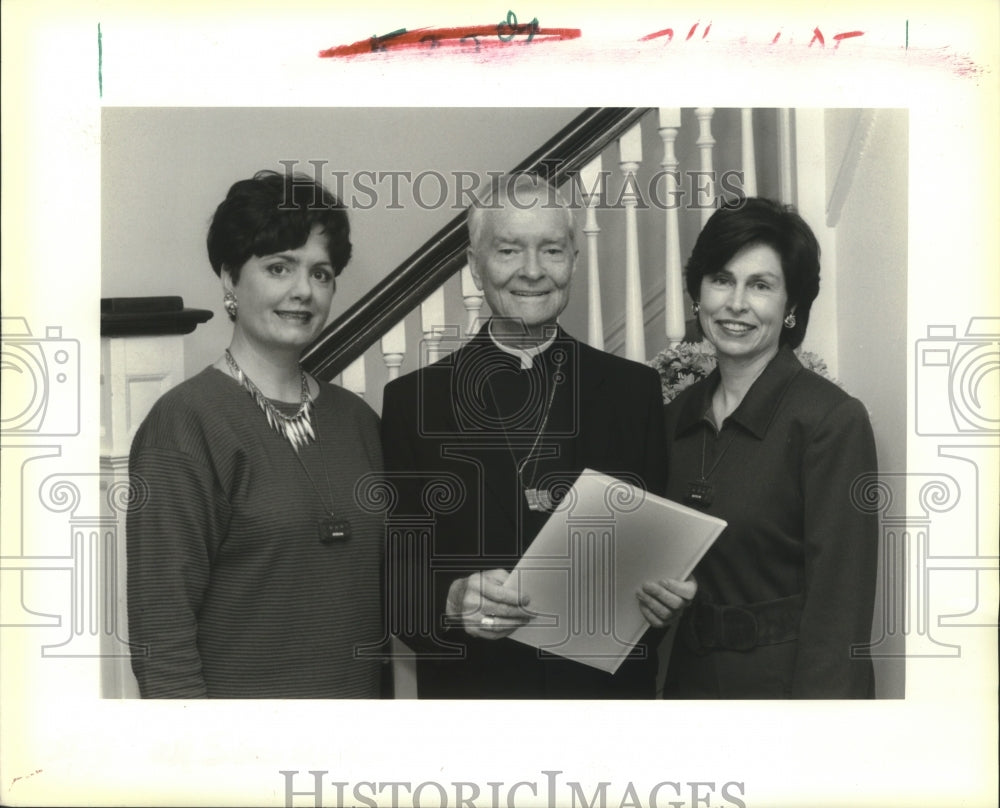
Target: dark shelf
{"type": "Point", "coordinates": [149, 316]}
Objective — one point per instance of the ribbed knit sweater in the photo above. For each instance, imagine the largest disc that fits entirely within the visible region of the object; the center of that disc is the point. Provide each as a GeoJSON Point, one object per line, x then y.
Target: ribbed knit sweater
{"type": "Point", "coordinates": [230, 591]}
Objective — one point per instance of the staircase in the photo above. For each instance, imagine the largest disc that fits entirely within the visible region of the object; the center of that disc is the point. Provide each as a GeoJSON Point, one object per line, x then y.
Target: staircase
{"type": "Point", "coordinates": [645, 182]}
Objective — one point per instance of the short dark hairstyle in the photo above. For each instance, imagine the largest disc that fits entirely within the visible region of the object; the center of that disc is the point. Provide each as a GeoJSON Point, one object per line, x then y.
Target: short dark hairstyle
{"type": "Point", "coordinates": [762, 221]}
{"type": "Point", "coordinates": [273, 212]}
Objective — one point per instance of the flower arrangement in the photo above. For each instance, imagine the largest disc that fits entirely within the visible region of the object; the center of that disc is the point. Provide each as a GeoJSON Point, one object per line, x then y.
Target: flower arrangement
{"type": "Point", "coordinates": [685, 363]}
{"type": "Point", "coordinates": [682, 365]}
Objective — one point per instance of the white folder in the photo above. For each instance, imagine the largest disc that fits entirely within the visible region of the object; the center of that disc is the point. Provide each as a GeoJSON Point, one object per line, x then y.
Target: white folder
{"type": "Point", "coordinates": [605, 538]}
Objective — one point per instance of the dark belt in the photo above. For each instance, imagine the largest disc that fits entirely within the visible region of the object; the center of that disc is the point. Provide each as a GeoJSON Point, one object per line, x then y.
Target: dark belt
{"type": "Point", "coordinates": [741, 628]}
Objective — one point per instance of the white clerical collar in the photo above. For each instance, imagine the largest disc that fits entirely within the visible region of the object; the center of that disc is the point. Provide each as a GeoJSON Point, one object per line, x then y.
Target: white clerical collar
{"type": "Point", "coordinates": [526, 355]}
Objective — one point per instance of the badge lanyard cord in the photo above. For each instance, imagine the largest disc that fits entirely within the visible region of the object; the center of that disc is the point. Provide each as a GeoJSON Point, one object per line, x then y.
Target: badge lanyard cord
{"type": "Point", "coordinates": [537, 500]}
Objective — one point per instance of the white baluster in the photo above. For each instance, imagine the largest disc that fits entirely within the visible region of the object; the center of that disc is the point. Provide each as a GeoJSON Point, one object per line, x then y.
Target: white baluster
{"type": "Point", "coordinates": [630, 145]}
{"type": "Point", "coordinates": [706, 181]}
{"type": "Point", "coordinates": [749, 157]}
{"type": "Point", "coordinates": [353, 377]}
{"type": "Point", "coordinates": [432, 323]}
{"type": "Point", "coordinates": [670, 122]}
{"type": "Point", "coordinates": [473, 299]}
{"type": "Point", "coordinates": [785, 155]}
{"type": "Point", "coordinates": [394, 348]}
{"type": "Point", "coordinates": [592, 181]}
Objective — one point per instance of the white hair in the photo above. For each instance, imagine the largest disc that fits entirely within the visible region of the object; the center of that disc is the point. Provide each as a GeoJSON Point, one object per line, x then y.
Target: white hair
{"type": "Point", "coordinates": [506, 188]}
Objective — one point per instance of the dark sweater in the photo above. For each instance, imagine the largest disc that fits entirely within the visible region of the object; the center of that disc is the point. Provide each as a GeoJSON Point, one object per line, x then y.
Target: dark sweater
{"type": "Point", "coordinates": [230, 589]}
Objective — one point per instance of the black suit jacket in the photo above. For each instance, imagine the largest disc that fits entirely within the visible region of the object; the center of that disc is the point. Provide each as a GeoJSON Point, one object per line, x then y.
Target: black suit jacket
{"type": "Point", "coordinates": [458, 504]}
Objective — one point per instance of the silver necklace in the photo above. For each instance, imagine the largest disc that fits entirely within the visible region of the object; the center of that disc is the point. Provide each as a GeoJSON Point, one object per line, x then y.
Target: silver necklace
{"type": "Point", "coordinates": [297, 429]}
{"type": "Point", "coordinates": [539, 499]}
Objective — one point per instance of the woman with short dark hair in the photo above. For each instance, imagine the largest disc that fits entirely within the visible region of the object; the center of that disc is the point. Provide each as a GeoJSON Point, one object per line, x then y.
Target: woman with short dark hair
{"type": "Point", "coordinates": [786, 594]}
{"type": "Point", "coordinates": [252, 572]}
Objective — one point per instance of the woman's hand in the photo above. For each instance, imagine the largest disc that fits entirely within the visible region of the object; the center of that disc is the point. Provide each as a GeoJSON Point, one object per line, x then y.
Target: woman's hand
{"type": "Point", "coordinates": [661, 601]}
{"type": "Point", "coordinates": [485, 608]}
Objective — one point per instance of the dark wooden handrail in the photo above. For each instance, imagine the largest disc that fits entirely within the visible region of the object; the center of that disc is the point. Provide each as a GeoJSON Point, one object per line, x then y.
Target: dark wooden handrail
{"type": "Point", "coordinates": [407, 286]}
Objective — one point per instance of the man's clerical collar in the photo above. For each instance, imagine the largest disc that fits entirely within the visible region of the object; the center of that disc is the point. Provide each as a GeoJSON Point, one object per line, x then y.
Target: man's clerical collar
{"type": "Point", "coordinates": [526, 355]}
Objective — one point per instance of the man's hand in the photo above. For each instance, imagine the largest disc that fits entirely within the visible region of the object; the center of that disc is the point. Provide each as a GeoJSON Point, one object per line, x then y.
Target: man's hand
{"type": "Point", "coordinates": [662, 601]}
{"type": "Point", "coordinates": [485, 608]}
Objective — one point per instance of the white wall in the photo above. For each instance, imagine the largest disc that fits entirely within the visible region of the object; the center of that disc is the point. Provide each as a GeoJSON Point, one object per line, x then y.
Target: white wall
{"type": "Point", "coordinates": [872, 266]}
{"type": "Point", "coordinates": [872, 281]}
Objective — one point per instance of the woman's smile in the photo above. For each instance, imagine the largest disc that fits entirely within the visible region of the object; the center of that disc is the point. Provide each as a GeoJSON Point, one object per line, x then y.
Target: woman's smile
{"type": "Point", "coordinates": [301, 316]}
{"type": "Point", "coordinates": [734, 327]}
{"type": "Point", "coordinates": [743, 304]}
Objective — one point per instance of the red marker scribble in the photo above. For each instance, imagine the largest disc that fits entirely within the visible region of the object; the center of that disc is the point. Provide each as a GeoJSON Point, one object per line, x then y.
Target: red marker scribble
{"type": "Point", "coordinates": [695, 28]}
{"type": "Point", "coordinates": [475, 36]}
{"type": "Point", "coordinates": [838, 38]}
{"type": "Point", "coordinates": [817, 36]}
{"type": "Point", "coordinates": [669, 33]}
{"type": "Point", "coordinates": [846, 35]}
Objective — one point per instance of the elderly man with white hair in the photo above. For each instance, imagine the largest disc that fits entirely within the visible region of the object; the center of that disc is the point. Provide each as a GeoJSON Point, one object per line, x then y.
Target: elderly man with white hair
{"type": "Point", "coordinates": [510, 420]}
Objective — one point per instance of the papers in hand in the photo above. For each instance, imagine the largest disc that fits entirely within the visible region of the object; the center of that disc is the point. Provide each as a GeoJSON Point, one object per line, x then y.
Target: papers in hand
{"type": "Point", "coordinates": [605, 538]}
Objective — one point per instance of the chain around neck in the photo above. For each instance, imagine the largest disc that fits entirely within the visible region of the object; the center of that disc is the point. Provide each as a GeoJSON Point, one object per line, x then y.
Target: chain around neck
{"type": "Point", "coordinates": [296, 429]}
{"type": "Point", "coordinates": [531, 456]}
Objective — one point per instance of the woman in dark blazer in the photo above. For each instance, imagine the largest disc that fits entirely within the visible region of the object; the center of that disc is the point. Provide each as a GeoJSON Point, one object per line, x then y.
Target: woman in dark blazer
{"type": "Point", "coordinates": [786, 594]}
